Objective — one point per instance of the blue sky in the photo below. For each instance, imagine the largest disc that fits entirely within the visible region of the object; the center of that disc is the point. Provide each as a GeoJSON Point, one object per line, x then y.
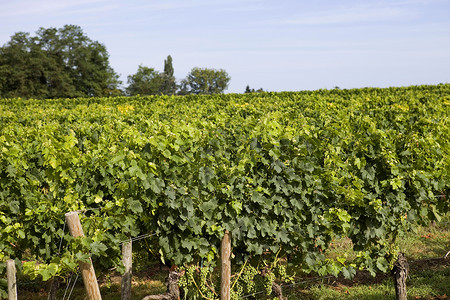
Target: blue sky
{"type": "Point", "coordinates": [275, 45]}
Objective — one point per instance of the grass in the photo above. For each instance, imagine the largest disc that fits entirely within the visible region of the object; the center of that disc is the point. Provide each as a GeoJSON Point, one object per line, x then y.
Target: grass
{"type": "Point", "coordinates": [429, 279]}
{"type": "Point", "coordinates": [429, 242]}
{"type": "Point", "coordinates": [148, 282]}
{"type": "Point", "coordinates": [429, 275]}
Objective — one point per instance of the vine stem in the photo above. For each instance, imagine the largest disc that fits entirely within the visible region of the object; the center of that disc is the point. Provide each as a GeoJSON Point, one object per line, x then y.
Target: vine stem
{"type": "Point", "coordinates": [276, 258]}
{"type": "Point", "coordinates": [239, 275]}
{"type": "Point", "coordinates": [193, 280]}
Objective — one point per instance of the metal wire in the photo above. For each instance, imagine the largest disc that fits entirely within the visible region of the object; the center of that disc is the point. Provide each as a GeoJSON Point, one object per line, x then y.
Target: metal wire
{"type": "Point", "coordinates": [67, 287]}
{"type": "Point", "coordinates": [137, 238]}
{"type": "Point", "coordinates": [291, 284]}
{"type": "Point", "coordinates": [74, 282]}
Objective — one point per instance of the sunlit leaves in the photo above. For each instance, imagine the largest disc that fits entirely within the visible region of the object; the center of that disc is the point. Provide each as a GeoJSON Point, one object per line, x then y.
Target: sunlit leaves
{"type": "Point", "coordinates": [289, 170]}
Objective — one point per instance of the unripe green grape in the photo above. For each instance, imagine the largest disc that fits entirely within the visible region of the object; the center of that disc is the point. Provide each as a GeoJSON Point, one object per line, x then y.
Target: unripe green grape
{"type": "Point", "coordinates": [234, 296]}
{"type": "Point", "coordinates": [237, 291]}
{"type": "Point", "coordinates": [281, 271]}
{"type": "Point", "coordinates": [268, 280]}
{"type": "Point", "coordinates": [248, 279]}
{"type": "Point", "coordinates": [183, 281]}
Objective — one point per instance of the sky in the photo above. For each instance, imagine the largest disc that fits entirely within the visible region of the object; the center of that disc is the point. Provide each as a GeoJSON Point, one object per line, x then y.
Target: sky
{"type": "Point", "coordinates": [283, 45]}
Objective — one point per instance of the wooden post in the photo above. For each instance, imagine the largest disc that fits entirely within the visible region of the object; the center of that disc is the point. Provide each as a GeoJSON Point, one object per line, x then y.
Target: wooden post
{"type": "Point", "coordinates": [11, 277]}
{"type": "Point", "coordinates": [225, 254]}
{"type": "Point", "coordinates": [54, 286]}
{"type": "Point", "coordinates": [400, 272]}
{"type": "Point", "coordinates": [126, 277]}
{"type": "Point", "coordinates": [87, 270]}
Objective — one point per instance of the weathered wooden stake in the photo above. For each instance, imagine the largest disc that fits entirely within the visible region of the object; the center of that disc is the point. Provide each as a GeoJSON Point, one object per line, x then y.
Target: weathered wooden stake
{"type": "Point", "coordinates": [172, 291]}
{"type": "Point", "coordinates": [11, 277]}
{"type": "Point", "coordinates": [54, 286]}
{"type": "Point", "coordinates": [400, 272]}
{"type": "Point", "coordinates": [87, 269]}
{"type": "Point", "coordinates": [225, 254]}
{"type": "Point", "coordinates": [126, 277]}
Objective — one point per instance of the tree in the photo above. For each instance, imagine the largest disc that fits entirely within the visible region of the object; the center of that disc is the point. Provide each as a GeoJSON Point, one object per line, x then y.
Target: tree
{"type": "Point", "coordinates": [56, 70]}
{"type": "Point", "coordinates": [55, 63]}
{"type": "Point", "coordinates": [205, 81]}
{"type": "Point", "coordinates": [249, 90]}
{"type": "Point", "coordinates": [22, 65]}
{"type": "Point", "coordinates": [146, 81]}
{"type": "Point", "coordinates": [168, 85]}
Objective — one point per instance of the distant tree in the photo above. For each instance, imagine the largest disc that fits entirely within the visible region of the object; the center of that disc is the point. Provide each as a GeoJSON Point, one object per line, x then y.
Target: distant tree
{"type": "Point", "coordinates": [249, 90]}
{"type": "Point", "coordinates": [183, 88]}
{"type": "Point", "coordinates": [146, 81]}
{"type": "Point", "coordinates": [60, 62]}
{"type": "Point", "coordinates": [168, 85]}
{"type": "Point", "coordinates": [205, 81]}
{"type": "Point", "coordinates": [20, 64]}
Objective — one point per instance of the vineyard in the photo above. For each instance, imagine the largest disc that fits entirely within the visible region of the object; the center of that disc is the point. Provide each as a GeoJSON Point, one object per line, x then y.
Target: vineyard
{"type": "Point", "coordinates": [284, 173]}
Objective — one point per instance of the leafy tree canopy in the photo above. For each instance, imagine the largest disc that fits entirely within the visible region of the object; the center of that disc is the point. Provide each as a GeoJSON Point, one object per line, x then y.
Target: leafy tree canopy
{"type": "Point", "coordinates": [56, 63]}
{"type": "Point", "coordinates": [146, 81]}
{"type": "Point", "coordinates": [205, 81]}
{"type": "Point", "coordinates": [169, 85]}
{"type": "Point", "coordinates": [249, 90]}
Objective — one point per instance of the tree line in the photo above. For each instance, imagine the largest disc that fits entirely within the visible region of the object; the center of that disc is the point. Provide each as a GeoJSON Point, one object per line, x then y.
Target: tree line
{"type": "Point", "coordinates": [66, 63]}
{"type": "Point", "coordinates": [148, 81]}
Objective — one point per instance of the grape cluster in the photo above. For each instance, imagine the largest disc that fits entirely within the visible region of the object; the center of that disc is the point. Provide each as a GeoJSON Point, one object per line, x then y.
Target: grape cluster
{"type": "Point", "coordinates": [237, 291]}
{"type": "Point", "coordinates": [248, 279]}
{"type": "Point", "coordinates": [268, 281]}
{"type": "Point", "coordinates": [185, 281]}
{"type": "Point", "coordinates": [281, 273]}
{"type": "Point", "coordinates": [204, 273]}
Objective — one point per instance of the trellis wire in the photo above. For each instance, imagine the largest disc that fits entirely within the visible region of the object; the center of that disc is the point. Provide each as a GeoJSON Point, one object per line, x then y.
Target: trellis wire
{"type": "Point", "coordinates": [73, 286]}
{"type": "Point", "coordinates": [137, 238]}
{"type": "Point", "coordinates": [290, 284]}
{"type": "Point", "coordinates": [67, 286]}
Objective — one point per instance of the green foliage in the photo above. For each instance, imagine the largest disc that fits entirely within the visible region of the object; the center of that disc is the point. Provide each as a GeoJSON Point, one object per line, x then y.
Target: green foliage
{"type": "Point", "coordinates": [199, 282]}
{"type": "Point", "coordinates": [289, 171]}
{"type": "Point", "coordinates": [58, 266]}
{"type": "Point", "coordinates": [205, 81]}
{"type": "Point", "coordinates": [203, 282]}
{"type": "Point", "coordinates": [254, 277]}
{"type": "Point", "coordinates": [146, 81]}
{"type": "Point", "coordinates": [249, 90]}
{"type": "Point", "coordinates": [169, 85]}
{"type": "Point", "coordinates": [55, 63]}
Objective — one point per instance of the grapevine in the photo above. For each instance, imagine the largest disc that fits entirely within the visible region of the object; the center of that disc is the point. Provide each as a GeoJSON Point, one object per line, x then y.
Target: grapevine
{"type": "Point", "coordinates": [287, 171]}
